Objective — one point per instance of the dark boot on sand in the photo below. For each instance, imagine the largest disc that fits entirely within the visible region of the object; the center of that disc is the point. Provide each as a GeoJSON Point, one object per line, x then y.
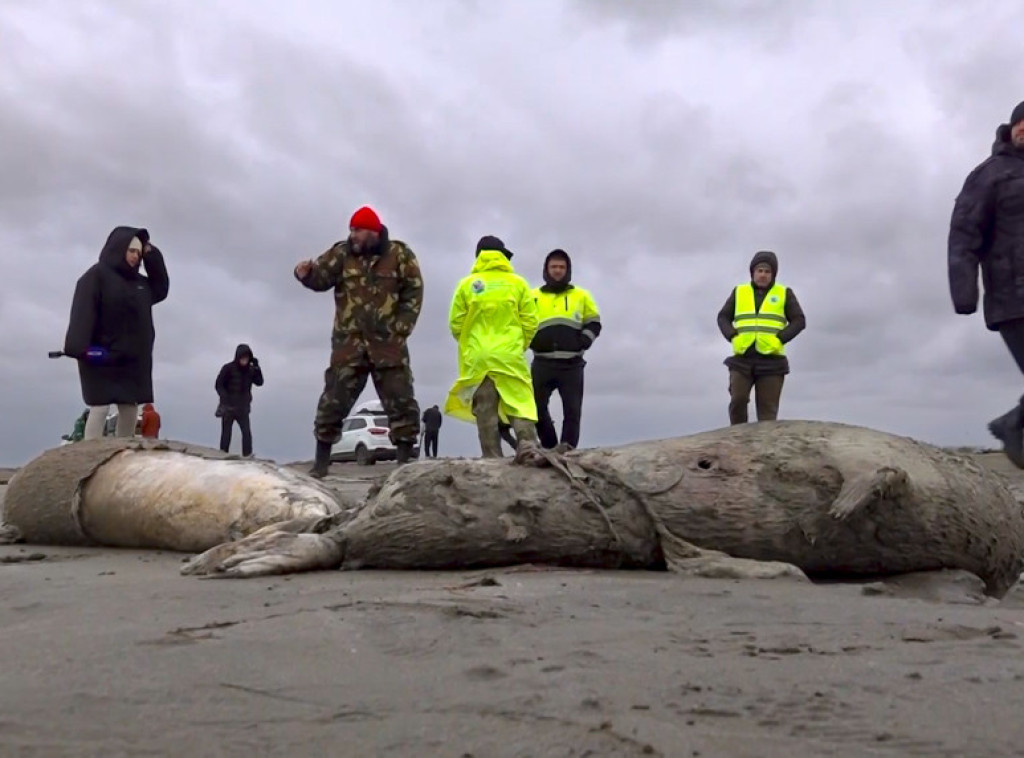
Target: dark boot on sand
{"type": "Point", "coordinates": [1009, 429]}
{"type": "Point", "coordinates": [403, 452]}
{"type": "Point", "coordinates": [323, 460]}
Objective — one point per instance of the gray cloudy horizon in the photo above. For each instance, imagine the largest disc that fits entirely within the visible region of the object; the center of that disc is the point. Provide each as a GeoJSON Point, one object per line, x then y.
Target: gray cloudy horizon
{"type": "Point", "coordinates": [660, 143]}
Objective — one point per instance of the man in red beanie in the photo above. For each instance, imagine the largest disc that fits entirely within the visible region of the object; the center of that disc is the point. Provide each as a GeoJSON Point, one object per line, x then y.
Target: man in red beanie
{"type": "Point", "coordinates": [378, 293]}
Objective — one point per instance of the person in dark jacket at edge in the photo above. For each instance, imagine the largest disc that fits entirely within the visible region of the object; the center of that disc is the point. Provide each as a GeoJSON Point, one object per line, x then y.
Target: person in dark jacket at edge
{"type": "Point", "coordinates": [569, 324]}
{"type": "Point", "coordinates": [431, 430]}
{"type": "Point", "coordinates": [759, 318]}
{"type": "Point", "coordinates": [234, 388]}
{"type": "Point", "coordinates": [110, 331]}
{"type": "Point", "coordinates": [986, 230]}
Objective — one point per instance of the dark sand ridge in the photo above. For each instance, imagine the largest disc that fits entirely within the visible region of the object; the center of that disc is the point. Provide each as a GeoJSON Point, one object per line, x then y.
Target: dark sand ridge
{"type": "Point", "coordinates": [137, 659]}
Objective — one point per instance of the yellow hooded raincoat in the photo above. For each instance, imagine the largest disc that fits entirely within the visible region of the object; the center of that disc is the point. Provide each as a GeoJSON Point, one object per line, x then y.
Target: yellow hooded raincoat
{"type": "Point", "coordinates": [494, 317]}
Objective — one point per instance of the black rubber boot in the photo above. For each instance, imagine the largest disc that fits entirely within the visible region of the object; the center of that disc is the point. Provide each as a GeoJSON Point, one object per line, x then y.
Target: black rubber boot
{"type": "Point", "coordinates": [1009, 429]}
{"type": "Point", "coordinates": [505, 430]}
{"type": "Point", "coordinates": [323, 460]}
{"type": "Point", "coordinates": [403, 452]}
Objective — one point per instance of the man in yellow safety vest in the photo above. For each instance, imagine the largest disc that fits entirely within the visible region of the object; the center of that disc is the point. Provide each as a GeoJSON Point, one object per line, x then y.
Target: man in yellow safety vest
{"type": "Point", "coordinates": [759, 318]}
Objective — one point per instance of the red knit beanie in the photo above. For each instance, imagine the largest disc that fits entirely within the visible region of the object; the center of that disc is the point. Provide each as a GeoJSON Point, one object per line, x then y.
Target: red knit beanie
{"type": "Point", "coordinates": [365, 218]}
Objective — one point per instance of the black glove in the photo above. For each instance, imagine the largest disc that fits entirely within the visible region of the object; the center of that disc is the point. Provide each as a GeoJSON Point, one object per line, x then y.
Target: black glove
{"type": "Point", "coordinates": [255, 362]}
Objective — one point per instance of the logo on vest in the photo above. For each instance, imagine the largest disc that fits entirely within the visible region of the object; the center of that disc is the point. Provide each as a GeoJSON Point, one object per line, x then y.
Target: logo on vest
{"type": "Point", "coordinates": [478, 286]}
{"type": "Point", "coordinates": [773, 299]}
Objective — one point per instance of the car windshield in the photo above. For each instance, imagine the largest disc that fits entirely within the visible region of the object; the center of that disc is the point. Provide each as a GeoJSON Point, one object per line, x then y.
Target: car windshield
{"type": "Point", "coordinates": [380, 421]}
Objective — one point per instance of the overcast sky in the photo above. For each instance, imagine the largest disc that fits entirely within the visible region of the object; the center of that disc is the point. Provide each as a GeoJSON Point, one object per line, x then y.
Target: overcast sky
{"type": "Point", "coordinates": [660, 143]}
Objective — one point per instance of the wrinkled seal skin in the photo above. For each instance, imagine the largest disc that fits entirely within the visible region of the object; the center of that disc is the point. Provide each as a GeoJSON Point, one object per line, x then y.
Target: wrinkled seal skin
{"type": "Point", "coordinates": [828, 498]}
{"type": "Point", "coordinates": [139, 493]}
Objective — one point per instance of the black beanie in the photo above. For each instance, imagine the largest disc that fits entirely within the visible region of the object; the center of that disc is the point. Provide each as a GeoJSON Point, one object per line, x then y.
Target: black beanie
{"type": "Point", "coordinates": [1018, 114]}
{"type": "Point", "coordinates": [490, 242]}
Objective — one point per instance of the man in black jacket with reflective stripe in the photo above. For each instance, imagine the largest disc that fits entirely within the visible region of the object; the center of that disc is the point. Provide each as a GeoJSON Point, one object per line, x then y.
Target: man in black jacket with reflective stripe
{"type": "Point", "coordinates": [986, 230]}
{"type": "Point", "coordinates": [569, 324]}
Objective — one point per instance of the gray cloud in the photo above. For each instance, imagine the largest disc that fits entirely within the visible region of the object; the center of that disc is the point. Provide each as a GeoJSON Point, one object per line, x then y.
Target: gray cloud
{"type": "Point", "coordinates": [758, 21]}
{"type": "Point", "coordinates": [660, 143]}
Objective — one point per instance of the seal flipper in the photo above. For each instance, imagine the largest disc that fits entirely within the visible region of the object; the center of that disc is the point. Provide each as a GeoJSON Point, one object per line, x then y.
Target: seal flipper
{"type": "Point", "coordinates": [269, 551]}
{"type": "Point", "coordinates": [862, 490]}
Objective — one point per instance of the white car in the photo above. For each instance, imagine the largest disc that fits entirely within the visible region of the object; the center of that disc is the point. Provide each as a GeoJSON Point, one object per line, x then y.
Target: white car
{"type": "Point", "coordinates": [365, 440]}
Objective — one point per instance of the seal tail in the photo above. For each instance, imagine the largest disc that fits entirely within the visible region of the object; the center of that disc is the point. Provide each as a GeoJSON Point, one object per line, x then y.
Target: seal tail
{"type": "Point", "coordinates": [860, 491]}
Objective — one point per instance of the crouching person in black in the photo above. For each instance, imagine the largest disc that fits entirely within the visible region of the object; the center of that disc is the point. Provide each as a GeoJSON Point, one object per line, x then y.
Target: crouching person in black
{"type": "Point", "coordinates": [234, 387]}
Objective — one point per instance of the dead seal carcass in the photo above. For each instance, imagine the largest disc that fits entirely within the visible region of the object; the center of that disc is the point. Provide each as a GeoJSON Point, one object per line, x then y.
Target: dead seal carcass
{"type": "Point", "coordinates": [139, 493]}
{"type": "Point", "coordinates": [827, 498]}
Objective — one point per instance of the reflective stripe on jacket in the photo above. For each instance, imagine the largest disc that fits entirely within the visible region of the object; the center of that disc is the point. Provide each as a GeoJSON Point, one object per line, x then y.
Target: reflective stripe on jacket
{"type": "Point", "coordinates": [759, 327]}
{"type": "Point", "coordinates": [569, 323]}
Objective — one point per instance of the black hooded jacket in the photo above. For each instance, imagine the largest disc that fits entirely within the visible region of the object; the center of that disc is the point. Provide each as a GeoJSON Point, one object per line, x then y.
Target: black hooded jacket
{"type": "Point", "coordinates": [751, 359]}
{"type": "Point", "coordinates": [986, 230]}
{"type": "Point", "coordinates": [550, 285]}
{"type": "Point", "coordinates": [112, 309]}
{"type": "Point", "coordinates": [235, 382]}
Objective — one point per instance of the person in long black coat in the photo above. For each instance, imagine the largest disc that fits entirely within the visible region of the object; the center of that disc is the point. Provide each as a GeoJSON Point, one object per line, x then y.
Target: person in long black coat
{"type": "Point", "coordinates": [111, 332]}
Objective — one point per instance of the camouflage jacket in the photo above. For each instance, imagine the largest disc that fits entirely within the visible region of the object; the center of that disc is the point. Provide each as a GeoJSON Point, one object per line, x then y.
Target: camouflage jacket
{"type": "Point", "coordinates": [377, 299]}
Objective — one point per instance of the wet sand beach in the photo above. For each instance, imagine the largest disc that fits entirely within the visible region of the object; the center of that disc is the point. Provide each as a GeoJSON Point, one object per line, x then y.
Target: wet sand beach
{"type": "Point", "coordinates": [112, 652]}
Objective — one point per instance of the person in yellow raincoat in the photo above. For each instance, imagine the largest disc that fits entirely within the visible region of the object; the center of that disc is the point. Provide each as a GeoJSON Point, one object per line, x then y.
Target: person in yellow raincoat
{"type": "Point", "coordinates": [493, 317]}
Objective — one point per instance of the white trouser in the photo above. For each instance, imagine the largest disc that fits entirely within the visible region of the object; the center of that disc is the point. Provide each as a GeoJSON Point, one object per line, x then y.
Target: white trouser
{"type": "Point", "coordinates": [126, 413]}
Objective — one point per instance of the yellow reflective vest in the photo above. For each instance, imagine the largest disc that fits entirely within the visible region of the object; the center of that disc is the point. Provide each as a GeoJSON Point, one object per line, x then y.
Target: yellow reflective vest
{"type": "Point", "coordinates": [493, 316]}
{"type": "Point", "coordinates": [759, 327]}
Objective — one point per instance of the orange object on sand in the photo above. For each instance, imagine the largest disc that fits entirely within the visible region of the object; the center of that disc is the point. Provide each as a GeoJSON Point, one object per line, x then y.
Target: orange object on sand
{"type": "Point", "coordinates": [150, 421]}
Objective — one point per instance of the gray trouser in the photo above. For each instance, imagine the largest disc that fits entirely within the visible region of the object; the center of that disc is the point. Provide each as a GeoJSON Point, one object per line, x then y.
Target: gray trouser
{"type": "Point", "coordinates": [768, 392]}
{"type": "Point", "coordinates": [485, 409]}
{"type": "Point", "coordinates": [126, 413]}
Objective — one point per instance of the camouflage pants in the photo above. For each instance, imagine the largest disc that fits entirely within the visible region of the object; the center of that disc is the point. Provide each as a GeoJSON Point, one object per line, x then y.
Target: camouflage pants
{"type": "Point", "coordinates": [485, 409]}
{"type": "Point", "coordinates": [345, 382]}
